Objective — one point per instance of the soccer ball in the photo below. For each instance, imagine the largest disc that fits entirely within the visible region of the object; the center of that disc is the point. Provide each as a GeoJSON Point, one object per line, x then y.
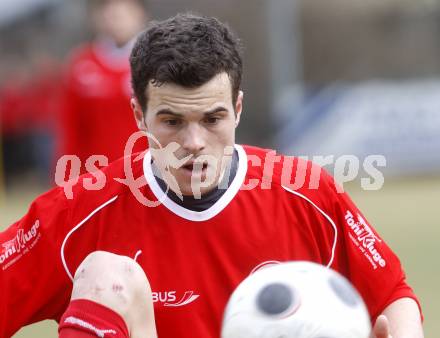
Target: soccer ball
{"type": "Point", "coordinates": [295, 300]}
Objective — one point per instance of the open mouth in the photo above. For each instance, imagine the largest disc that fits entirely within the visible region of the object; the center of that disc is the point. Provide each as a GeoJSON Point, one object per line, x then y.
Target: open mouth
{"type": "Point", "coordinates": [191, 166]}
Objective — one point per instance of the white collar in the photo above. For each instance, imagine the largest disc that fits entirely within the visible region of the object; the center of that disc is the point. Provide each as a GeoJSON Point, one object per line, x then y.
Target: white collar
{"type": "Point", "coordinates": [216, 208]}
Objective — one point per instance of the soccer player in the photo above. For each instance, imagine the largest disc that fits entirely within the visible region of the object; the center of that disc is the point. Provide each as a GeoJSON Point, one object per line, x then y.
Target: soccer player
{"type": "Point", "coordinates": [97, 83]}
{"type": "Point", "coordinates": [196, 213]}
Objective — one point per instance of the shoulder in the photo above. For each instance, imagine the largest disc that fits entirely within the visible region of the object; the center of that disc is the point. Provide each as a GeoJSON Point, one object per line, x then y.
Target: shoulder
{"type": "Point", "coordinates": [291, 172]}
{"type": "Point", "coordinates": [82, 60]}
{"type": "Point", "coordinates": [291, 179]}
{"type": "Point", "coordinates": [82, 52]}
{"type": "Point", "coordinates": [105, 185]}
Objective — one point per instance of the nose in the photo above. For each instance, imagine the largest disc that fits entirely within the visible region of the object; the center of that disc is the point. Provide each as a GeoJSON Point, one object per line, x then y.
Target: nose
{"type": "Point", "coordinates": [193, 139]}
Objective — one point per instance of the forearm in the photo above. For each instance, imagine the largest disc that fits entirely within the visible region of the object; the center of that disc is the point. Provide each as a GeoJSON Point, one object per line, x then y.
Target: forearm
{"type": "Point", "coordinates": [404, 319]}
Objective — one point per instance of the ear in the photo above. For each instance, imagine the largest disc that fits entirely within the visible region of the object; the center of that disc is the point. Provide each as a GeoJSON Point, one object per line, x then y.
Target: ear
{"type": "Point", "coordinates": [238, 108]}
{"type": "Point", "coordinates": [138, 114]}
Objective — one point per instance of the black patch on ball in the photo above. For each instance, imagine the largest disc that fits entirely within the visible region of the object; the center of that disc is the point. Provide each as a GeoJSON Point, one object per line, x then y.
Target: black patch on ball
{"type": "Point", "coordinates": [344, 291]}
{"type": "Point", "coordinates": [275, 298]}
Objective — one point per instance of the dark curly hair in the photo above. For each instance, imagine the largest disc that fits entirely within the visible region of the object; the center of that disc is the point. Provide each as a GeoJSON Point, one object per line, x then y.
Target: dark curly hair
{"type": "Point", "coordinates": [187, 50]}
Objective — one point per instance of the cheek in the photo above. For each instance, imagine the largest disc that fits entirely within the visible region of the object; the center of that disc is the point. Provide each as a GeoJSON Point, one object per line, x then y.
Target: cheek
{"type": "Point", "coordinates": [157, 139]}
{"type": "Point", "coordinates": [226, 135]}
{"type": "Point", "coordinates": [157, 132]}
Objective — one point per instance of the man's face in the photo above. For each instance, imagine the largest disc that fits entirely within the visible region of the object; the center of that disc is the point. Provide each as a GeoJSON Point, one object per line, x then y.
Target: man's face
{"type": "Point", "coordinates": [196, 129]}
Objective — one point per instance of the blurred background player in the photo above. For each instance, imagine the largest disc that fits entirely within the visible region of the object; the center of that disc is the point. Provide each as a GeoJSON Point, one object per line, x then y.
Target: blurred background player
{"type": "Point", "coordinates": [96, 115]}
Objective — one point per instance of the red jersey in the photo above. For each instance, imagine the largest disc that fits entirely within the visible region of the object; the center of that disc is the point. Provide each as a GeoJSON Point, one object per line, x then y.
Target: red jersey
{"type": "Point", "coordinates": [96, 115]}
{"type": "Point", "coordinates": [44, 98]}
{"type": "Point", "coordinates": [14, 109]}
{"type": "Point", "coordinates": [193, 260]}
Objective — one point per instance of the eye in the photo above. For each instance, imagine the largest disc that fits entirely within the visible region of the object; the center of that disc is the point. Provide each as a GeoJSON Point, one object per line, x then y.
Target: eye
{"type": "Point", "coordinates": [211, 120]}
{"type": "Point", "coordinates": [172, 122]}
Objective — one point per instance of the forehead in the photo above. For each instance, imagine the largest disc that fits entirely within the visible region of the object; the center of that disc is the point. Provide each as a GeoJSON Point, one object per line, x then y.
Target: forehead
{"type": "Point", "coordinates": [181, 99]}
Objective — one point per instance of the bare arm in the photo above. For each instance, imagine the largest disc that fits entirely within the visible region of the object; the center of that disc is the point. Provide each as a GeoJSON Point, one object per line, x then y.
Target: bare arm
{"type": "Point", "coordinates": [400, 319]}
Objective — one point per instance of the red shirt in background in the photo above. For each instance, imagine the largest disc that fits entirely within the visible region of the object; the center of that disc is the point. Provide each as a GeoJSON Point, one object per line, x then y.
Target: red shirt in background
{"type": "Point", "coordinates": [44, 96]}
{"type": "Point", "coordinates": [96, 117]}
{"type": "Point", "coordinates": [30, 100]}
{"type": "Point", "coordinates": [14, 108]}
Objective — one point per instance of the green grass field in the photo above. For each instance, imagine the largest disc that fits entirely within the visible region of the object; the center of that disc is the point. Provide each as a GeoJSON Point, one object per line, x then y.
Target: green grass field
{"type": "Point", "coordinates": [404, 212]}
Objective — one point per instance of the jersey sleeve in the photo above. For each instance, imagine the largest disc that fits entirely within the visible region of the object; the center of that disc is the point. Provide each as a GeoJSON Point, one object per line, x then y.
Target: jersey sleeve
{"type": "Point", "coordinates": [33, 282]}
{"type": "Point", "coordinates": [361, 254]}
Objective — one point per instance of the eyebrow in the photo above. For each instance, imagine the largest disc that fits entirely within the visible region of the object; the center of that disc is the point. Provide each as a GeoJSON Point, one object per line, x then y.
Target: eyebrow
{"type": "Point", "coordinates": [167, 111]}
